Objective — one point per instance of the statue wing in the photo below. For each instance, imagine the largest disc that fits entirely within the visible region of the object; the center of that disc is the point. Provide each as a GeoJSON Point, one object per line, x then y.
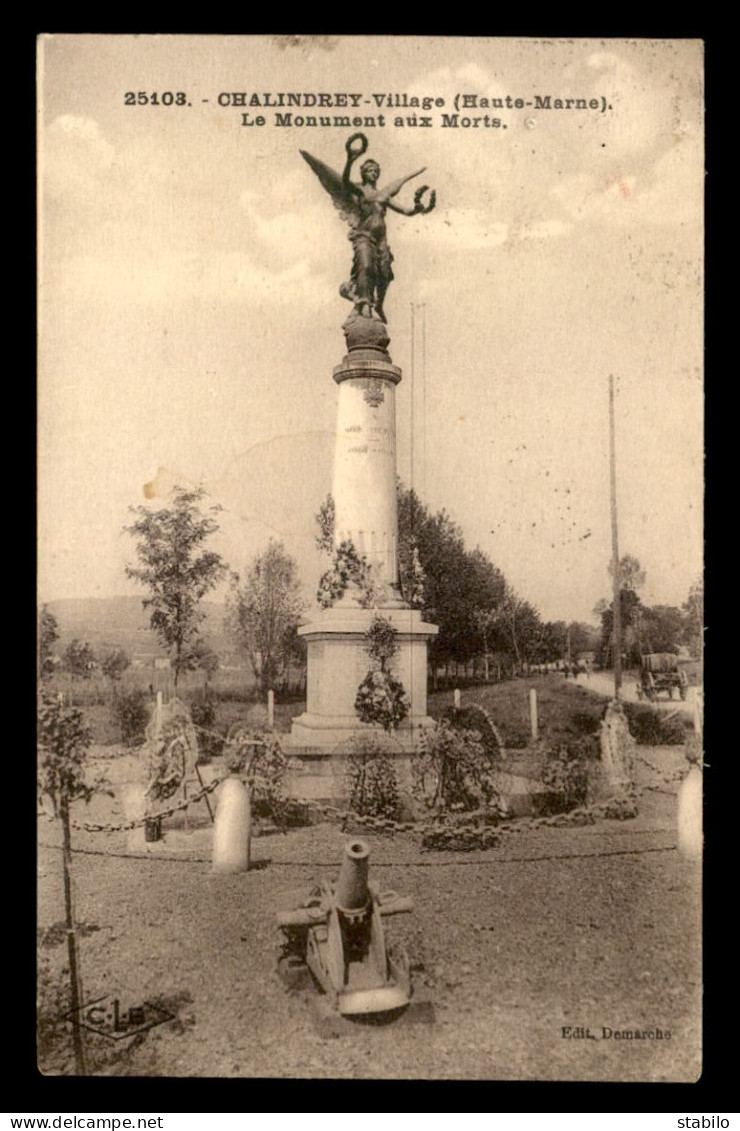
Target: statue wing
{"type": "Point", "coordinates": [342, 200]}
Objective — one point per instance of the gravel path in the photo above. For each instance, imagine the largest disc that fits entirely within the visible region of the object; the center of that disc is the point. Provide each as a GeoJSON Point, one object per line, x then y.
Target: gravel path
{"type": "Point", "coordinates": [596, 927]}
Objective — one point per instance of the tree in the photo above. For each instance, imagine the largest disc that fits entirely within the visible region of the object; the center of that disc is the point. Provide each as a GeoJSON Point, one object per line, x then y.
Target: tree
{"type": "Point", "coordinates": [521, 629]}
{"type": "Point", "coordinates": [694, 623]}
{"type": "Point", "coordinates": [79, 659]}
{"type": "Point", "coordinates": [662, 628]}
{"type": "Point", "coordinates": [63, 742]}
{"type": "Point", "coordinates": [631, 610]}
{"type": "Point", "coordinates": [583, 637]}
{"type": "Point", "coordinates": [631, 573]}
{"type": "Point", "coordinates": [113, 664]}
{"type": "Point", "coordinates": [204, 659]}
{"type": "Point", "coordinates": [264, 612]}
{"type": "Point", "coordinates": [631, 578]}
{"type": "Point", "coordinates": [462, 591]}
{"type": "Point", "coordinates": [48, 634]}
{"type": "Point", "coordinates": [175, 569]}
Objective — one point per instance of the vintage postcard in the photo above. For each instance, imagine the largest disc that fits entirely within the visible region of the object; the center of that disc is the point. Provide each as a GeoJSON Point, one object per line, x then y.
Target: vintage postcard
{"type": "Point", "coordinates": [370, 557]}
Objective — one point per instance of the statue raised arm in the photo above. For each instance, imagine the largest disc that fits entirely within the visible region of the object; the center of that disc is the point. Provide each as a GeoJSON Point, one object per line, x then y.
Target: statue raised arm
{"type": "Point", "coordinates": [364, 206]}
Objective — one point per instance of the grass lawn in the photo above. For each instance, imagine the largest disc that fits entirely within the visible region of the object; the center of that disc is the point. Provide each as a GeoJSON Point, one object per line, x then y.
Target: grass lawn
{"type": "Point", "coordinates": [564, 709]}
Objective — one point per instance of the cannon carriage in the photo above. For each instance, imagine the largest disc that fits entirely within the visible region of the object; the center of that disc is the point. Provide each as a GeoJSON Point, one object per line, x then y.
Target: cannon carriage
{"type": "Point", "coordinates": [337, 934]}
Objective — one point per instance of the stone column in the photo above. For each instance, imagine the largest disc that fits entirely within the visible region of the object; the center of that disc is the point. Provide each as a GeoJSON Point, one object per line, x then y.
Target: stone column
{"type": "Point", "coordinates": [364, 486]}
{"type": "Point", "coordinates": [364, 490]}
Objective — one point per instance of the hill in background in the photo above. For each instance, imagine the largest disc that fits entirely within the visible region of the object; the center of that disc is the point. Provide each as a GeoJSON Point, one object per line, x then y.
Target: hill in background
{"type": "Point", "coordinates": [122, 622]}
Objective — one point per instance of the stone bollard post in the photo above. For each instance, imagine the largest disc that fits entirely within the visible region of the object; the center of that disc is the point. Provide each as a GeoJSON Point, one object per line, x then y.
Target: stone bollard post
{"type": "Point", "coordinates": [533, 714]}
{"type": "Point", "coordinates": [690, 825]}
{"type": "Point", "coordinates": [615, 776]}
{"type": "Point", "coordinates": [232, 828]}
{"type": "Point", "coordinates": [456, 697]}
{"type": "Point", "coordinates": [271, 709]}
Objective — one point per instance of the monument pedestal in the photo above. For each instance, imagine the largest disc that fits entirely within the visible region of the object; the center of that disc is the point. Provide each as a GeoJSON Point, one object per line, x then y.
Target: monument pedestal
{"type": "Point", "coordinates": [337, 664]}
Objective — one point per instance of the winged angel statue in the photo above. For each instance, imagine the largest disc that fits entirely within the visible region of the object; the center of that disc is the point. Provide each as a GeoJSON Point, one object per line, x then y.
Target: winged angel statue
{"type": "Point", "coordinates": [364, 206]}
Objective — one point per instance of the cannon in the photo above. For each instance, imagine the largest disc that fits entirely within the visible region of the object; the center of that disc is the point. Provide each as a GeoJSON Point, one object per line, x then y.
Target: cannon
{"type": "Point", "coordinates": [337, 933]}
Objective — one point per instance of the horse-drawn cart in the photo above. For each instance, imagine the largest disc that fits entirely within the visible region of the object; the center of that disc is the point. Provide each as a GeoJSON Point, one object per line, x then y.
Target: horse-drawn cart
{"type": "Point", "coordinates": [661, 672]}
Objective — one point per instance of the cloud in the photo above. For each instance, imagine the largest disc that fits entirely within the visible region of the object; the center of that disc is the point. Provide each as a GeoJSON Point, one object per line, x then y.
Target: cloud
{"type": "Point", "coordinates": [228, 277]}
{"type": "Point", "coordinates": [293, 233]}
{"type": "Point", "coordinates": [543, 230]}
{"type": "Point", "coordinates": [458, 228]}
{"type": "Point", "coordinates": [76, 157]}
{"type": "Point", "coordinates": [667, 191]}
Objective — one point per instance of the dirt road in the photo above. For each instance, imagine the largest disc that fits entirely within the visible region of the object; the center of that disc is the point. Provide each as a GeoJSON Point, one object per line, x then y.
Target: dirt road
{"type": "Point", "coordinates": [603, 684]}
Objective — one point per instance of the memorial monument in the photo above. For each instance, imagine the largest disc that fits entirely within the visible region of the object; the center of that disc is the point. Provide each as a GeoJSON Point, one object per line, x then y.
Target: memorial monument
{"type": "Point", "coordinates": [365, 530]}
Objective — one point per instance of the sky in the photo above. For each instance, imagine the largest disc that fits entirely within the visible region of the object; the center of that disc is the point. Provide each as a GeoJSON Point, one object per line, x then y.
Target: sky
{"type": "Point", "coordinates": [189, 315]}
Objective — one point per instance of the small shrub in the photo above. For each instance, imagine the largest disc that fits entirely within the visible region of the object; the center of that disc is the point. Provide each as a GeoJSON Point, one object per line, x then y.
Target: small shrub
{"type": "Point", "coordinates": [267, 778]}
{"type": "Point", "coordinates": [264, 765]}
{"type": "Point", "coordinates": [565, 775]}
{"type": "Point", "coordinates": [650, 727]}
{"type": "Point", "coordinates": [372, 785]}
{"type": "Point", "coordinates": [452, 771]}
{"type": "Point", "coordinates": [582, 723]}
{"type": "Point", "coordinates": [131, 710]}
{"type": "Point", "coordinates": [475, 718]}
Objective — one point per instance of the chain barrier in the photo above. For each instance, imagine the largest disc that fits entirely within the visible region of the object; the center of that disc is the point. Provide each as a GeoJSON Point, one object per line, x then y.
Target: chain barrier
{"type": "Point", "coordinates": [126, 826]}
{"type": "Point", "coordinates": [666, 779]}
{"type": "Point", "coordinates": [476, 829]}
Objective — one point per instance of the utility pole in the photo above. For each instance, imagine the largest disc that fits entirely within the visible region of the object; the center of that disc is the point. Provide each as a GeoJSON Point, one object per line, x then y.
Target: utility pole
{"type": "Point", "coordinates": [616, 605]}
{"type": "Point", "coordinates": [413, 382]}
{"type": "Point", "coordinates": [423, 400]}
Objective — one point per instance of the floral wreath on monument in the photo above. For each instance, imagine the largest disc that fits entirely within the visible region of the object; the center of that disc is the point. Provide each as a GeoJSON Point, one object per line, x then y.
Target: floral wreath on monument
{"type": "Point", "coordinates": [381, 698]}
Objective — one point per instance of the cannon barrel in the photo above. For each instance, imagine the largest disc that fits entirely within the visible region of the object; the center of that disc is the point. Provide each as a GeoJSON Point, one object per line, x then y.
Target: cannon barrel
{"type": "Point", "coordinates": [352, 892]}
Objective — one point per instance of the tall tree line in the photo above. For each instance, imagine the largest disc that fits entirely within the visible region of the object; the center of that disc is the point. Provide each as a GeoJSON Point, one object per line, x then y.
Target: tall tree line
{"type": "Point", "coordinates": [478, 612]}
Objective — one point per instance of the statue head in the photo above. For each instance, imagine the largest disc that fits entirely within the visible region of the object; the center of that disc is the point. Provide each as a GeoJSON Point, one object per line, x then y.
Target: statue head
{"type": "Point", "coordinates": [370, 171]}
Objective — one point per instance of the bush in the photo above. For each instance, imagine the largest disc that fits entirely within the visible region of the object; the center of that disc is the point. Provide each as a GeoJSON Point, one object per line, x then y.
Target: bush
{"type": "Point", "coordinates": [372, 785]}
{"type": "Point", "coordinates": [565, 771]}
{"type": "Point", "coordinates": [583, 723]}
{"type": "Point", "coordinates": [650, 727]}
{"type": "Point", "coordinates": [131, 710]}
{"type": "Point", "coordinates": [452, 771]}
{"type": "Point", "coordinates": [267, 779]}
{"type": "Point", "coordinates": [475, 718]}
{"type": "Point", "coordinates": [265, 765]}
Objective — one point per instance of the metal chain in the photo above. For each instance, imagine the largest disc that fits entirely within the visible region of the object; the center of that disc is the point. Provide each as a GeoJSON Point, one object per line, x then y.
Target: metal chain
{"type": "Point", "coordinates": [92, 827]}
{"type": "Point", "coordinates": [448, 826]}
{"type": "Point", "coordinates": [667, 779]}
{"type": "Point", "coordinates": [440, 826]}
